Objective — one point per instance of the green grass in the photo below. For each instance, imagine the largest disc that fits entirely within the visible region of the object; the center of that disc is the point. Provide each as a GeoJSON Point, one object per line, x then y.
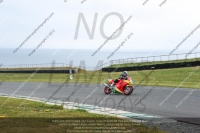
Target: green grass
{"type": "Point", "coordinates": [25, 108]}
{"type": "Point", "coordinates": [37, 117]}
{"type": "Point", "coordinates": [166, 77]}
{"type": "Point", "coordinates": [152, 63]}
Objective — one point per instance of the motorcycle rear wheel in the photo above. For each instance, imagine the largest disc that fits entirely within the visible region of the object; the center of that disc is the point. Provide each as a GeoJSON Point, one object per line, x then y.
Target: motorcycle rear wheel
{"type": "Point", "coordinates": [128, 90]}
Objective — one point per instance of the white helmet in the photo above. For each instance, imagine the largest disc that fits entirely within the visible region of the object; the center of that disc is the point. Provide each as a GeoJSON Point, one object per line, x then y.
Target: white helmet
{"type": "Point", "coordinates": [125, 73]}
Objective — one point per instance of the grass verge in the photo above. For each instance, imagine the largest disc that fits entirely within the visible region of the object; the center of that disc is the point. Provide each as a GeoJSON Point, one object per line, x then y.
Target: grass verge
{"type": "Point", "coordinates": [34, 117]}
{"type": "Point", "coordinates": [188, 77]}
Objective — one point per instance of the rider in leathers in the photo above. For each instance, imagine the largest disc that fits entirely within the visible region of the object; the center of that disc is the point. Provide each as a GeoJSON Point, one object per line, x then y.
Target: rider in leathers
{"type": "Point", "coordinates": [123, 76]}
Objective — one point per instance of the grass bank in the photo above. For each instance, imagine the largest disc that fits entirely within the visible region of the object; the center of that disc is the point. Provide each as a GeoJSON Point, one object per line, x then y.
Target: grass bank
{"type": "Point", "coordinates": [41, 68]}
{"type": "Point", "coordinates": [152, 63]}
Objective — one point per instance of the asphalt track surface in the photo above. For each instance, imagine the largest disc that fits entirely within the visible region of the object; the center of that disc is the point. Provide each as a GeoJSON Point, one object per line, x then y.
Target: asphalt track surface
{"type": "Point", "coordinates": [182, 104]}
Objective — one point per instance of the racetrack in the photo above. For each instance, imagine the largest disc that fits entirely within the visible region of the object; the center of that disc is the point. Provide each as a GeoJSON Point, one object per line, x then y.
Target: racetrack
{"type": "Point", "coordinates": [181, 104]}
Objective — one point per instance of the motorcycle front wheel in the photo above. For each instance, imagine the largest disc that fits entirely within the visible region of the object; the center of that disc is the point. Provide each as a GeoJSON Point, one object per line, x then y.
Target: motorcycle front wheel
{"type": "Point", "coordinates": [107, 90]}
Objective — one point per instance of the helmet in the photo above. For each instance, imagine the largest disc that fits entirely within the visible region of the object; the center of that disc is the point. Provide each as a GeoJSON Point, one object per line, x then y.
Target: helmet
{"type": "Point", "coordinates": [125, 73]}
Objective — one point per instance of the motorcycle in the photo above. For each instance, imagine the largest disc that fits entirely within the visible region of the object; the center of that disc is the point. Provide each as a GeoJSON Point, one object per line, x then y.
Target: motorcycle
{"type": "Point", "coordinates": [122, 86]}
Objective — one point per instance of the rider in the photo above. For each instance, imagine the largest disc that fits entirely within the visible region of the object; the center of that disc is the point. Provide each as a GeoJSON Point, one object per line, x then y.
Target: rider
{"type": "Point", "coordinates": [123, 76]}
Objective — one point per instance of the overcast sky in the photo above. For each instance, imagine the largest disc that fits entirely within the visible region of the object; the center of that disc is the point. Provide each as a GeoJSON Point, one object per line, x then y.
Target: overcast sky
{"type": "Point", "coordinates": [153, 26]}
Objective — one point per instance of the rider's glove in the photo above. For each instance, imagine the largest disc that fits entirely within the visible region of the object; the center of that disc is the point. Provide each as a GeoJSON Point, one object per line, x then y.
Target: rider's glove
{"type": "Point", "coordinates": [116, 80]}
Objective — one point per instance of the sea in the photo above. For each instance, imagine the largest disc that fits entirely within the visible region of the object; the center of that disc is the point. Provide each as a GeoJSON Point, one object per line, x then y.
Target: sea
{"type": "Point", "coordinates": [74, 57]}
